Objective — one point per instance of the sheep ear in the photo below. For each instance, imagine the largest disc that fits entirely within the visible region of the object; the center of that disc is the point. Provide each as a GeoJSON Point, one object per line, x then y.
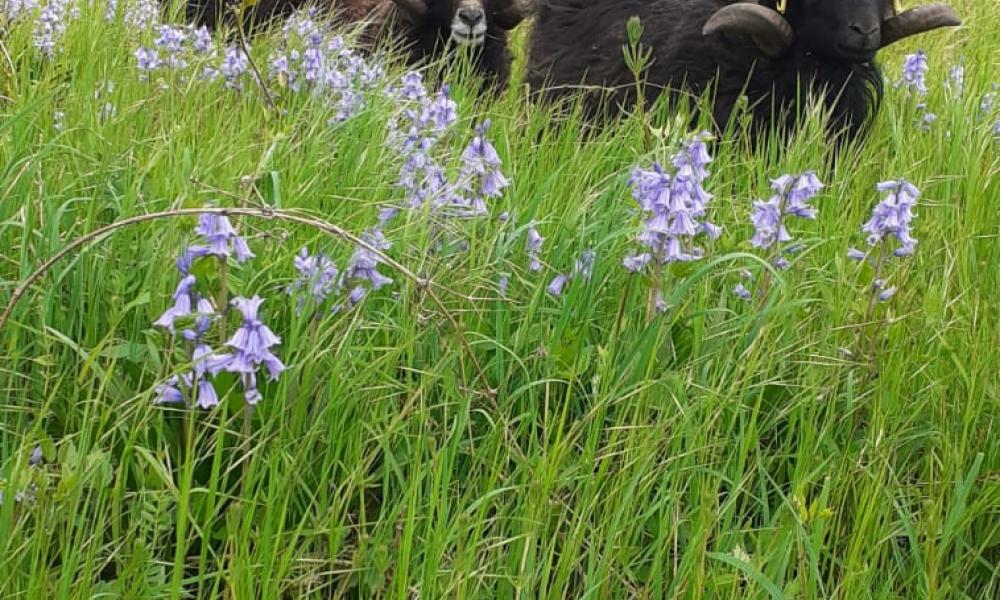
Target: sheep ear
{"type": "Point", "coordinates": [769, 31]}
{"type": "Point", "coordinates": [415, 8]}
{"type": "Point", "coordinates": [513, 13]}
{"type": "Point", "coordinates": [918, 20]}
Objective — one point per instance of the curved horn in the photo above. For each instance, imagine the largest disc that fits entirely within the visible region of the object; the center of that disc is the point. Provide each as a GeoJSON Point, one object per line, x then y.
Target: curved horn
{"type": "Point", "coordinates": [918, 20]}
{"type": "Point", "coordinates": [769, 31]}
{"type": "Point", "coordinates": [514, 12]}
{"type": "Point", "coordinates": [416, 8]}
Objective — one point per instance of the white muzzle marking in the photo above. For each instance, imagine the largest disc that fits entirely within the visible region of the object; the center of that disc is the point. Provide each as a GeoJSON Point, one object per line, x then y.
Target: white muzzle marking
{"type": "Point", "coordinates": [465, 35]}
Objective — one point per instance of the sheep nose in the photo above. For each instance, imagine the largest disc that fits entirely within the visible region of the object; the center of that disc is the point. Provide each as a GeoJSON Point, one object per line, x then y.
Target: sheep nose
{"type": "Point", "coordinates": [471, 16]}
{"type": "Point", "coordinates": [864, 31]}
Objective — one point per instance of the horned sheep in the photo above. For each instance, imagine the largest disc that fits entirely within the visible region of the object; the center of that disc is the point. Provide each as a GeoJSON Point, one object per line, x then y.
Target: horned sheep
{"type": "Point", "coordinates": [769, 51]}
{"type": "Point", "coordinates": [425, 28]}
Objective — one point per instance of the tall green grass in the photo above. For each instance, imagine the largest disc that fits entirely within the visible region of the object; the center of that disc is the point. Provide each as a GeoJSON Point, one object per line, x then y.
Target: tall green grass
{"type": "Point", "coordinates": [726, 450]}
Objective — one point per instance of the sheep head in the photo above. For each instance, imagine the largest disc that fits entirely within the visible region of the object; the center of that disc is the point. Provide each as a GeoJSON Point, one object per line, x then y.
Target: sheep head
{"type": "Point", "coordinates": [468, 19]}
{"type": "Point", "coordinates": [848, 30]}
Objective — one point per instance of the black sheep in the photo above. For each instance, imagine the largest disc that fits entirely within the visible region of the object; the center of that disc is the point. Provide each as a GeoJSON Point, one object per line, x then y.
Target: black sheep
{"type": "Point", "coordinates": [425, 28]}
{"type": "Point", "coordinates": [770, 54]}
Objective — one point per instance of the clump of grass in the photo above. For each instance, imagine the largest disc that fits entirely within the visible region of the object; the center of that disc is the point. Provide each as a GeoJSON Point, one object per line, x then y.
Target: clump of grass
{"type": "Point", "coordinates": [449, 438]}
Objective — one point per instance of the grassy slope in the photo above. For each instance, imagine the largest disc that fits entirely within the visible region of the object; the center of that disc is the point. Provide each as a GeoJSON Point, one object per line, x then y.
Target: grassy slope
{"type": "Point", "coordinates": [615, 461]}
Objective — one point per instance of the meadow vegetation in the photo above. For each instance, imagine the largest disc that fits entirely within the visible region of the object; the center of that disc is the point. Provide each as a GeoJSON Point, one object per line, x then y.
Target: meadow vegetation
{"type": "Point", "coordinates": [515, 414]}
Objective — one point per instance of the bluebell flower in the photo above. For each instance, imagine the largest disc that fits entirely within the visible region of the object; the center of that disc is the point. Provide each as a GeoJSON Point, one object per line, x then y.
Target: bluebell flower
{"type": "Point", "coordinates": [147, 60]}
{"type": "Point", "coordinates": [792, 194]}
{"type": "Point", "coordinates": [202, 41]}
{"type": "Point", "coordinates": [357, 294]}
{"type": "Point", "coordinates": [481, 167]}
{"type": "Point", "coordinates": [222, 239]}
{"type": "Point", "coordinates": [169, 392]}
{"type": "Point", "coordinates": [887, 294]}
{"type": "Point", "coordinates": [674, 207]}
{"type": "Point", "coordinates": [893, 216]}
{"type": "Point", "coordinates": [584, 264]}
{"type": "Point", "coordinates": [319, 276]}
{"type": "Point", "coordinates": [251, 349]}
{"type": "Point", "coordinates": [915, 72]}
{"type": "Point", "coordinates": [503, 284]}
{"type": "Point", "coordinates": [182, 304]}
{"type": "Point", "coordinates": [348, 105]}
{"type": "Point", "coordinates": [50, 26]}
{"type": "Point", "coordinates": [313, 65]}
{"type": "Point", "coordinates": [441, 113]}
{"type": "Point", "coordinates": [110, 10]}
{"type": "Point", "coordinates": [740, 291]}
{"type": "Point", "coordinates": [986, 104]}
{"type": "Point", "coordinates": [171, 39]}
{"type": "Point", "coordinates": [768, 226]}
{"type": "Point", "coordinates": [205, 395]}
{"type": "Point", "coordinates": [186, 260]}
{"type": "Point", "coordinates": [926, 118]}
{"type": "Point", "coordinates": [412, 87]}
{"type": "Point", "coordinates": [234, 64]}
{"type": "Point", "coordinates": [364, 262]}
{"type": "Point", "coordinates": [37, 457]}
{"type": "Point", "coordinates": [956, 80]}
{"type": "Point", "coordinates": [142, 15]}
{"type": "Point", "coordinates": [855, 254]}
{"type": "Point", "coordinates": [660, 303]}
{"type": "Point", "coordinates": [556, 286]}
{"type": "Point", "coordinates": [533, 247]}
{"type": "Point", "coordinates": [14, 10]}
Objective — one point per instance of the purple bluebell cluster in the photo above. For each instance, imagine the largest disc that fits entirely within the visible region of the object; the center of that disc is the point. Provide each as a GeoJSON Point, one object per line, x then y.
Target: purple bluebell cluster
{"type": "Point", "coordinates": [741, 292]}
{"type": "Point", "coordinates": [914, 79]}
{"type": "Point", "coordinates": [250, 345]}
{"type": "Point", "coordinates": [791, 198]}
{"type": "Point", "coordinates": [481, 177]}
{"type": "Point", "coordinates": [318, 278]}
{"type": "Point", "coordinates": [174, 48]}
{"type": "Point", "coordinates": [893, 216]}
{"type": "Point", "coordinates": [221, 238]}
{"type": "Point", "coordinates": [235, 64]}
{"type": "Point", "coordinates": [15, 10]}
{"type": "Point", "coordinates": [251, 350]}
{"type": "Point", "coordinates": [36, 460]}
{"type": "Point", "coordinates": [313, 60]}
{"type": "Point", "coordinates": [674, 208]}
{"type": "Point", "coordinates": [415, 135]}
{"type": "Point", "coordinates": [50, 26]}
{"type": "Point", "coordinates": [915, 72]}
{"type": "Point", "coordinates": [792, 194]}
{"type": "Point", "coordinates": [926, 118]}
{"type": "Point", "coordinates": [140, 15]}
{"type": "Point", "coordinates": [891, 219]}
{"type": "Point", "coordinates": [189, 306]}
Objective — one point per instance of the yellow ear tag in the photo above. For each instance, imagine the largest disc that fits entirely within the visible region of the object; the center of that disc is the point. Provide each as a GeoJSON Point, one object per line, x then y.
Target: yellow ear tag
{"type": "Point", "coordinates": [783, 4]}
